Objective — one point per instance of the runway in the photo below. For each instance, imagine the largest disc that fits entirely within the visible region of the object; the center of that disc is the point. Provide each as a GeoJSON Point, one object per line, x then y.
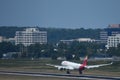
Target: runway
{"type": "Point", "coordinates": [71, 76]}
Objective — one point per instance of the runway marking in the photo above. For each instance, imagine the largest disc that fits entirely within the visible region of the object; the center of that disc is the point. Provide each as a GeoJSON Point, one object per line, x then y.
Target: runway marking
{"type": "Point", "coordinates": [89, 77]}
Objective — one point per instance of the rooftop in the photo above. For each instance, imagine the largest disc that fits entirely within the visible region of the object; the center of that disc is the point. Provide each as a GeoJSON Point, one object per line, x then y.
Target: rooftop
{"type": "Point", "coordinates": [114, 26]}
{"type": "Point", "coordinates": [32, 30]}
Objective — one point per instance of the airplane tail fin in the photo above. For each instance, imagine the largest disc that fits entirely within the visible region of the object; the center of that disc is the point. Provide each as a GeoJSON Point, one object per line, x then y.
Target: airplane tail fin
{"type": "Point", "coordinates": [85, 61]}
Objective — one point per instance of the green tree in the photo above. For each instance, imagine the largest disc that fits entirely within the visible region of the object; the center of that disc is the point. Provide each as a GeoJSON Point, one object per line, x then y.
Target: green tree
{"type": "Point", "coordinates": [112, 51]}
{"type": "Point", "coordinates": [6, 47]}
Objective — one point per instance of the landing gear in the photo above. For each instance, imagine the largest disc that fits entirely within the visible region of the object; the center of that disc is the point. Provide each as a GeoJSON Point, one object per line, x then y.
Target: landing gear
{"type": "Point", "coordinates": [61, 69]}
{"type": "Point", "coordinates": [81, 69]}
{"type": "Point", "coordinates": [68, 71]}
{"type": "Point", "coordinates": [80, 72]}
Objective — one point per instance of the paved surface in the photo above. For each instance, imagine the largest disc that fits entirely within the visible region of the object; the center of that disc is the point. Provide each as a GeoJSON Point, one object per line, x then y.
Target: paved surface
{"type": "Point", "coordinates": [89, 77]}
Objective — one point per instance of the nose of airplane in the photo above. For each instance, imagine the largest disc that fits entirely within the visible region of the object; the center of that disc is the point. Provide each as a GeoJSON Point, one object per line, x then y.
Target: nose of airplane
{"type": "Point", "coordinates": [63, 63]}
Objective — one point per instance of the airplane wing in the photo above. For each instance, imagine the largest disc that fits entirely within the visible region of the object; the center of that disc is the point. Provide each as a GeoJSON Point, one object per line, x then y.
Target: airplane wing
{"type": "Point", "coordinates": [95, 66]}
{"type": "Point", "coordinates": [53, 65]}
{"type": "Point", "coordinates": [61, 67]}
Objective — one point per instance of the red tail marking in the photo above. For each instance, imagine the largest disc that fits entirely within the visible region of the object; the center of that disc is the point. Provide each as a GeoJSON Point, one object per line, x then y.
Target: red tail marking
{"type": "Point", "coordinates": [82, 67]}
{"type": "Point", "coordinates": [85, 61]}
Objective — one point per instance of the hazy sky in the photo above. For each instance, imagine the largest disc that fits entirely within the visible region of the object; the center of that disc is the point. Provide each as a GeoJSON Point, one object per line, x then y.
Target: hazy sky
{"type": "Point", "coordinates": [60, 13]}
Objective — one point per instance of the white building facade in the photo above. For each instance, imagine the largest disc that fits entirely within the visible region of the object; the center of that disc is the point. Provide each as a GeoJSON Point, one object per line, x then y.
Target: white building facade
{"type": "Point", "coordinates": [78, 40]}
{"type": "Point", "coordinates": [113, 41]}
{"type": "Point", "coordinates": [30, 36]}
{"type": "Point", "coordinates": [85, 40]}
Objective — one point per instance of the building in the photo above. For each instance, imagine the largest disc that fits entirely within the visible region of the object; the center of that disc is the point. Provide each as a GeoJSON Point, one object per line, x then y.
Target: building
{"type": "Point", "coordinates": [113, 41]}
{"type": "Point", "coordinates": [2, 38]}
{"type": "Point", "coordinates": [85, 40]}
{"type": "Point", "coordinates": [11, 40]}
{"type": "Point", "coordinates": [30, 36]}
{"type": "Point", "coordinates": [114, 26]}
{"type": "Point", "coordinates": [112, 30]}
{"type": "Point", "coordinates": [103, 36]}
{"type": "Point", "coordinates": [78, 40]}
{"type": "Point", "coordinates": [67, 41]}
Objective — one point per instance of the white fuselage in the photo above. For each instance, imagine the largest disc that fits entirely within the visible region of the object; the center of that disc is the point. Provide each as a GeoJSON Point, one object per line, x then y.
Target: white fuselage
{"type": "Point", "coordinates": [71, 64]}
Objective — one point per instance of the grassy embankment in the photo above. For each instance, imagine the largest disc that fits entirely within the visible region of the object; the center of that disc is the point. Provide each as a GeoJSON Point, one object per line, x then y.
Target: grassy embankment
{"type": "Point", "coordinates": [40, 66]}
{"type": "Point", "coordinates": [27, 65]}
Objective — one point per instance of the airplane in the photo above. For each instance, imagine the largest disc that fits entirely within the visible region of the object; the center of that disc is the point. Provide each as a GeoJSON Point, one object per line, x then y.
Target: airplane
{"type": "Point", "coordinates": [67, 65]}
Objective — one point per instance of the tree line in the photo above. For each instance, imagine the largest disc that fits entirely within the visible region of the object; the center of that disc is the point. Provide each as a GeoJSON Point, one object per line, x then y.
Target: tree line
{"type": "Point", "coordinates": [54, 34]}
{"type": "Point", "coordinates": [69, 51]}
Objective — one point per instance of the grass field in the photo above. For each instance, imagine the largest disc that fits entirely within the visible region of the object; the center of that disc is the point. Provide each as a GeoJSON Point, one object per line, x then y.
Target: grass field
{"type": "Point", "coordinates": [40, 66]}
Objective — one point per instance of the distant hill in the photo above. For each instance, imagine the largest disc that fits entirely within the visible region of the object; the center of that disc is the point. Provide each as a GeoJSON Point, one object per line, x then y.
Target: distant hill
{"type": "Point", "coordinates": [55, 34]}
